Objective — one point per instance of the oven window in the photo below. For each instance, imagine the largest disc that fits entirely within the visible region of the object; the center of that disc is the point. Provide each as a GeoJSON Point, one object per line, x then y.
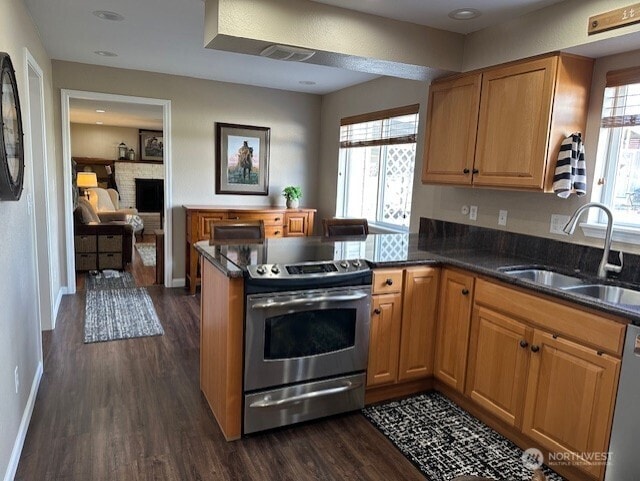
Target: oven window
{"type": "Point", "coordinates": [308, 333]}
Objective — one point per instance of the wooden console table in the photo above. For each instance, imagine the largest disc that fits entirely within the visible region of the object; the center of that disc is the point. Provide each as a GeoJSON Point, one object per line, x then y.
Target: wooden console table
{"type": "Point", "coordinates": [278, 222]}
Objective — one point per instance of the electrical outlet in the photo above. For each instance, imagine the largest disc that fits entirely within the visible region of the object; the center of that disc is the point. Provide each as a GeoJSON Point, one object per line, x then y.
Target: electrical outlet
{"type": "Point", "coordinates": [557, 223]}
{"type": "Point", "coordinates": [16, 379]}
{"type": "Point", "coordinates": [502, 217]}
{"type": "Point", "coordinates": [473, 212]}
{"type": "Point", "coordinates": [464, 210]}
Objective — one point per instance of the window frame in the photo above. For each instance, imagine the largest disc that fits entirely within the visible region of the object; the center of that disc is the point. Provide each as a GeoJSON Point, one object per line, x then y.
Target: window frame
{"type": "Point", "coordinates": [383, 144]}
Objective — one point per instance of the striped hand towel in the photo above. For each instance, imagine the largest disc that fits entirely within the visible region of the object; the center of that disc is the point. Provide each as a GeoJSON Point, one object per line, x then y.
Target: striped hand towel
{"type": "Point", "coordinates": [571, 169]}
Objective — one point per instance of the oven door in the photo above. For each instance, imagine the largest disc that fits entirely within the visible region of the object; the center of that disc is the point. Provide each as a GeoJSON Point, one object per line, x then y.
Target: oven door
{"type": "Point", "coordinates": [302, 335]}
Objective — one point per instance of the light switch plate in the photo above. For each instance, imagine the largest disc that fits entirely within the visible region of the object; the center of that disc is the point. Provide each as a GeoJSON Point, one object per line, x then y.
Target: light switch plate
{"type": "Point", "coordinates": [473, 212]}
{"type": "Point", "coordinates": [502, 217]}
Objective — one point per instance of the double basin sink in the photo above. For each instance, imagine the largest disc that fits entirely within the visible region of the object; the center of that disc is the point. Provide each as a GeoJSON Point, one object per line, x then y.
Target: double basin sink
{"type": "Point", "coordinates": [616, 295]}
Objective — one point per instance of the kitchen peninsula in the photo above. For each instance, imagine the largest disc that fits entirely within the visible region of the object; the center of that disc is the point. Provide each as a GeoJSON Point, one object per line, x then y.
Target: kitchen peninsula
{"type": "Point", "coordinates": [442, 302]}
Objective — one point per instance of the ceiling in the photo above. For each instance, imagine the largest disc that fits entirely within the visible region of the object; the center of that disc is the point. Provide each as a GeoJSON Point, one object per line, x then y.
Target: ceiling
{"type": "Point", "coordinates": [118, 114]}
{"type": "Point", "coordinates": [167, 36]}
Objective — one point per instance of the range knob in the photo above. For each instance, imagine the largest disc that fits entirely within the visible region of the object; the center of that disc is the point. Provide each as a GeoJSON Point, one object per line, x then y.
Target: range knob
{"type": "Point", "coordinates": [262, 270]}
{"type": "Point", "coordinates": [275, 269]}
{"type": "Point", "coordinates": [356, 263]}
{"type": "Point", "coordinates": [344, 264]}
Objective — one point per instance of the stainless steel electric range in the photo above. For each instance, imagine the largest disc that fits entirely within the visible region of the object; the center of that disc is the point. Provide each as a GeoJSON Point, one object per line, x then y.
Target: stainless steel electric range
{"type": "Point", "coordinates": [307, 312]}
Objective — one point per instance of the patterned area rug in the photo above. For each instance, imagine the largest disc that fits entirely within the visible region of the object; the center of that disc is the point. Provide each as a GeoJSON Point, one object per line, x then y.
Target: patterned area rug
{"type": "Point", "coordinates": [444, 441]}
{"type": "Point", "coordinates": [112, 314]}
{"type": "Point", "coordinates": [147, 251]}
{"type": "Point", "coordinates": [109, 280]}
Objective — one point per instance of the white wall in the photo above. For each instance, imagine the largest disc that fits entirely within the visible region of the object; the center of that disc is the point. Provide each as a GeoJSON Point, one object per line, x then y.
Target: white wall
{"type": "Point", "coordinates": [294, 119]}
{"type": "Point", "coordinates": [19, 327]}
{"type": "Point", "coordinates": [101, 141]}
{"type": "Point", "coordinates": [528, 213]}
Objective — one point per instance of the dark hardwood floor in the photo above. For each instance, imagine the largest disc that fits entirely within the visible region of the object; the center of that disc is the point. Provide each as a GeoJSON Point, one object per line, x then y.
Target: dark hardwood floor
{"type": "Point", "coordinates": [132, 410]}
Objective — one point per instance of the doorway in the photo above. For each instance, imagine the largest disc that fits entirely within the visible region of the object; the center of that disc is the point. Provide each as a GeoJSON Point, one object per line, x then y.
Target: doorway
{"type": "Point", "coordinates": [74, 96]}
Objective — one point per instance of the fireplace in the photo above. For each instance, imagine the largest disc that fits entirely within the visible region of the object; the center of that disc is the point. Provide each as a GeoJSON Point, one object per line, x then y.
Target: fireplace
{"type": "Point", "coordinates": [150, 195]}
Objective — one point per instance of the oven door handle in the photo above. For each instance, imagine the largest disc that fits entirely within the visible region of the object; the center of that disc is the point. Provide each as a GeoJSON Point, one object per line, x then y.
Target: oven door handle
{"type": "Point", "coordinates": [269, 403]}
{"type": "Point", "coordinates": [309, 300]}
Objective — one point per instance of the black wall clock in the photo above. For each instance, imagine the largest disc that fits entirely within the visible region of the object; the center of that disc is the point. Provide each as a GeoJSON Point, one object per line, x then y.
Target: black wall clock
{"type": "Point", "coordinates": [11, 147]}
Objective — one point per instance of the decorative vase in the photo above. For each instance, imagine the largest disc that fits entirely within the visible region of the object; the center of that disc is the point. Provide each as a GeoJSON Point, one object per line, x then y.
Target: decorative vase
{"type": "Point", "coordinates": [292, 203]}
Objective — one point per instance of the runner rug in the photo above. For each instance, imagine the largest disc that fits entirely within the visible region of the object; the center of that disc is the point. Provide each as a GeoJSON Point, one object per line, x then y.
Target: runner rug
{"type": "Point", "coordinates": [116, 309]}
{"type": "Point", "coordinates": [444, 441]}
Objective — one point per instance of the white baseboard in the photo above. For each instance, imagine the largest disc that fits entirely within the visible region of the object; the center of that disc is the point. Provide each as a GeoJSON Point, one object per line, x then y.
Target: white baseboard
{"type": "Point", "coordinates": [24, 425]}
{"type": "Point", "coordinates": [179, 282]}
{"type": "Point", "coordinates": [61, 292]}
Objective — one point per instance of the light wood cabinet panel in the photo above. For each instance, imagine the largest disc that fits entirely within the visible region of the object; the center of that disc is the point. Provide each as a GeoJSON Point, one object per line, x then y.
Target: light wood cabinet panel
{"type": "Point", "coordinates": [296, 224]}
{"type": "Point", "coordinates": [452, 122]}
{"type": "Point", "coordinates": [386, 281]}
{"type": "Point", "coordinates": [384, 339]}
{"type": "Point", "coordinates": [452, 333]}
{"type": "Point", "coordinates": [419, 311]}
{"type": "Point", "coordinates": [515, 115]}
{"type": "Point", "coordinates": [498, 361]}
{"type": "Point", "coordinates": [570, 397]}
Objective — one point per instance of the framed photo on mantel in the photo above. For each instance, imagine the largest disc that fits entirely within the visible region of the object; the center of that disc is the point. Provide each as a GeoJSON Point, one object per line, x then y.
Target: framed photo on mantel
{"type": "Point", "coordinates": [151, 145]}
{"type": "Point", "coordinates": [242, 159]}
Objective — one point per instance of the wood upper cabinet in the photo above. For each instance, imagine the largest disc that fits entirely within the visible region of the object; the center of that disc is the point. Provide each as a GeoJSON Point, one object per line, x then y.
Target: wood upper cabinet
{"type": "Point", "coordinates": [570, 397]}
{"type": "Point", "coordinates": [452, 333]}
{"type": "Point", "coordinates": [452, 122]}
{"type": "Point", "coordinates": [384, 340]}
{"type": "Point", "coordinates": [498, 362]}
{"type": "Point", "coordinates": [419, 311]}
{"type": "Point", "coordinates": [525, 110]}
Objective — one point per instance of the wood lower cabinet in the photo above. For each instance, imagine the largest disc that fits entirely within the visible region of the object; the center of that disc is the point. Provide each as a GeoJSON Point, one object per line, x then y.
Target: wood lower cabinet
{"type": "Point", "coordinates": [498, 362]}
{"type": "Point", "coordinates": [277, 223]}
{"type": "Point", "coordinates": [570, 397]}
{"type": "Point", "coordinates": [419, 311]}
{"type": "Point", "coordinates": [384, 339]}
{"type": "Point", "coordinates": [452, 333]}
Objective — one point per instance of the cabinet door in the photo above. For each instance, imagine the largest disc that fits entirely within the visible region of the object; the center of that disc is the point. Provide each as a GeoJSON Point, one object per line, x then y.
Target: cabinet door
{"type": "Point", "coordinates": [204, 218]}
{"type": "Point", "coordinates": [384, 339]}
{"type": "Point", "coordinates": [295, 224]}
{"type": "Point", "coordinates": [452, 121]}
{"type": "Point", "coordinates": [452, 334]}
{"type": "Point", "coordinates": [498, 361]}
{"type": "Point", "coordinates": [570, 396]}
{"type": "Point", "coordinates": [513, 127]}
{"type": "Point", "coordinates": [419, 310]}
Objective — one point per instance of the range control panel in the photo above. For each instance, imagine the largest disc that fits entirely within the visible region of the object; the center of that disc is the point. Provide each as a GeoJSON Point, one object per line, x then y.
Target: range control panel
{"type": "Point", "coordinates": [307, 269]}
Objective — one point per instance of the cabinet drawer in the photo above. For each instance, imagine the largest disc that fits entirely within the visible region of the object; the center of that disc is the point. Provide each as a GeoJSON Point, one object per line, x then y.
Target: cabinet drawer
{"type": "Point", "coordinates": [273, 231]}
{"type": "Point", "coordinates": [387, 280]}
{"type": "Point", "coordinates": [86, 262]}
{"type": "Point", "coordinates": [110, 243]}
{"type": "Point", "coordinates": [110, 261]}
{"type": "Point", "coordinates": [271, 218]}
{"type": "Point", "coordinates": [85, 243]}
{"type": "Point", "coordinates": [203, 224]}
{"type": "Point", "coordinates": [591, 329]}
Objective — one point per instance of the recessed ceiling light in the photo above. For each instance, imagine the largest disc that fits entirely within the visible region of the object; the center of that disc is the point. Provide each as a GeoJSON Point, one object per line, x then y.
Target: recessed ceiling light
{"type": "Point", "coordinates": [105, 53]}
{"type": "Point", "coordinates": [306, 82]}
{"type": "Point", "coordinates": [99, 123]}
{"type": "Point", "coordinates": [100, 111]}
{"type": "Point", "coordinates": [106, 15]}
{"type": "Point", "coordinates": [464, 14]}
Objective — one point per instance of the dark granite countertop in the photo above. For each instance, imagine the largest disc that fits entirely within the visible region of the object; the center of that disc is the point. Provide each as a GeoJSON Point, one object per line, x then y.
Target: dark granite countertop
{"type": "Point", "coordinates": [402, 250]}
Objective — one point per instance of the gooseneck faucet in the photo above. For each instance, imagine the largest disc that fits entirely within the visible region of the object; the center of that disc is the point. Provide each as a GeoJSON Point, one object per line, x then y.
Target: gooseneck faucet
{"type": "Point", "coordinates": [605, 267]}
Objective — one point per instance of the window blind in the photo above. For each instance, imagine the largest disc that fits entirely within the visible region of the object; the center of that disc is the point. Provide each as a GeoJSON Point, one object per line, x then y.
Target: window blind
{"type": "Point", "coordinates": [621, 107]}
{"type": "Point", "coordinates": [387, 127]}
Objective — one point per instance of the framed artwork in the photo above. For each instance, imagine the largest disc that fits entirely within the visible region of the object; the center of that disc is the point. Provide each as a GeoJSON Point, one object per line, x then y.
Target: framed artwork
{"type": "Point", "coordinates": [242, 159]}
{"type": "Point", "coordinates": [151, 145]}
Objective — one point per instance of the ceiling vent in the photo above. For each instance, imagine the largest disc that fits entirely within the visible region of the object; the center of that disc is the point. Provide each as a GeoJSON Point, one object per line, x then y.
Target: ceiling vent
{"type": "Point", "coordinates": [284, 52]}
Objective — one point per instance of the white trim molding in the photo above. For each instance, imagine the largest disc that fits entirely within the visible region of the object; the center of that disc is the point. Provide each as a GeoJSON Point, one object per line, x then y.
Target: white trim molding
{"type": "Point", "coordinates": [24, 426]}
{"type": "Point", "coordinates": [624, 234]}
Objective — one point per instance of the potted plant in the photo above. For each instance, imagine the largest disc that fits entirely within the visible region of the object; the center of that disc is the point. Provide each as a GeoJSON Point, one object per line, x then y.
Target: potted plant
{"type": "Point", "coordinates": [292, 193]}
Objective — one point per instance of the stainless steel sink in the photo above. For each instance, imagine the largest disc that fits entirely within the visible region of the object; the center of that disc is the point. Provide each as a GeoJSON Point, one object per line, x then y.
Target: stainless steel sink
{"type": "Point", "coordinates": [544, 277]}
{"type": "Point", "coordinates": [612, 294]}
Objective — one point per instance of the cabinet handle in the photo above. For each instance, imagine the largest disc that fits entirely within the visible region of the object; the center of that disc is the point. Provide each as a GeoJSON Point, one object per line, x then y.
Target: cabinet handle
{"type": "Point", "coordinates": [475, 171]}
{"type": "Point", "coordinates": [277, 219]}
{"type": "Point", "coordinates": [465, 291]}
{"type": "Point", "coordinates": [389, 282]}
{"type": "Point", "coordinates": [277, 232]}
{"type": "Point", "coordinates": [377, 311]}
{"type": "Point", "coordinates": [535, 348]}
{"type": "Point", "coordinates": [466, 171]}
{"type": "Point", "coordinates": [523, 344]}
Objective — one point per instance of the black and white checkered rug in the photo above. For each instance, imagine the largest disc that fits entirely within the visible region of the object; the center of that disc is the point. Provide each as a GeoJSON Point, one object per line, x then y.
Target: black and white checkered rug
{"type": "Point", "coordinates": [444, 441]}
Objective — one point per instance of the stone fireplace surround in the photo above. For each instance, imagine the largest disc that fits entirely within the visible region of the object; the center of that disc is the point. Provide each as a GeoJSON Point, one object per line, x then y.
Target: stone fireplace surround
{"type": "Point", "coordinates": [126, 173]}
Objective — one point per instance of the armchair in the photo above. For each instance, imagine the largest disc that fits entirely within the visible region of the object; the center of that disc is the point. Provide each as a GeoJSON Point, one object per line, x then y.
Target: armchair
{"type": "Point", "coordinates": [106, 204]}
